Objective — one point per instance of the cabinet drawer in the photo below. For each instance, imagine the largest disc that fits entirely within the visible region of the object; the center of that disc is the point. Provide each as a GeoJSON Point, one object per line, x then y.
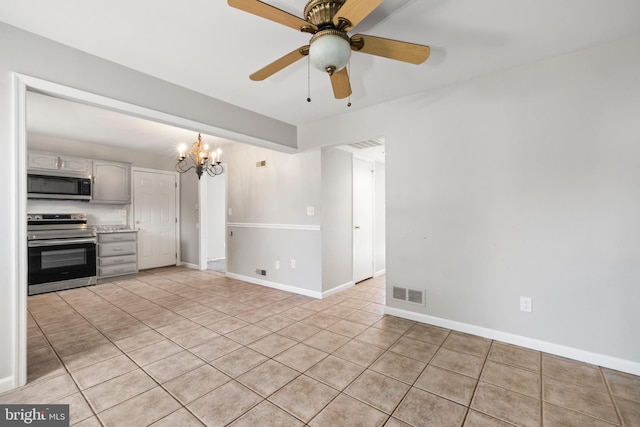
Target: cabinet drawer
{"type": "Point", "coordinates": [117, 270]}
{"type": "Point", "coordinates": [116, 248]}
{"type": "Point", "coordinates": [116, 237]}
{"type": "Point", "coordinates": [115, 260]}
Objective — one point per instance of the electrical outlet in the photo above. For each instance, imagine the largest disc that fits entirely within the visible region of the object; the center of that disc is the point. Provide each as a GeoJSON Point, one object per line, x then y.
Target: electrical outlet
{"type": "Point", "coordinates": [230, 212]}
{"type": "Point", "coordinates": [525, 304]}
{"type": "Point", "coordinates": [311, 210]}
{"type": "Point", "coordinates": [293, 263]}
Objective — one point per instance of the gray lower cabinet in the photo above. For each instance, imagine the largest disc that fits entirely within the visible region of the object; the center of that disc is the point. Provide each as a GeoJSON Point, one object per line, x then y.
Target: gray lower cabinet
{"type": "Point", "coordinates": [117, 255]}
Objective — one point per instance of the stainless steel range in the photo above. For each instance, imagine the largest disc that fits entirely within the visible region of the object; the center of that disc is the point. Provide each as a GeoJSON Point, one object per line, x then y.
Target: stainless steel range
{"type": "Point", "coordinates": [62, 252]}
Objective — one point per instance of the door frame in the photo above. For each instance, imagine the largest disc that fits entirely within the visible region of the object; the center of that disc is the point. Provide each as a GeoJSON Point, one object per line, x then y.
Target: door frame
{"type": "Point", "coordinates": [203, 224]}
{"type": "Point", "coordinates": [372, 164]}
{"type": "Point", "coordinates": [21, 84]}
{"type": "Point", "coordinates": [177, 201]}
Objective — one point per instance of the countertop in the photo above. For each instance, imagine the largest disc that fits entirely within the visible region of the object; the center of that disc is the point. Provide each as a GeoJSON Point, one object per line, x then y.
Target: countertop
{"type": "Point", "coordinates": [103, 229]}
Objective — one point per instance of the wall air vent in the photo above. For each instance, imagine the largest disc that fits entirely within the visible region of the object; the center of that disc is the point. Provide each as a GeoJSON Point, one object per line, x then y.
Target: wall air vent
{"type": "Point", "coordinates": [367, 144]}
{"type": "Point", "coordinates": [399, 293]}
{"type": "Point", "coordinates": [413, 296]}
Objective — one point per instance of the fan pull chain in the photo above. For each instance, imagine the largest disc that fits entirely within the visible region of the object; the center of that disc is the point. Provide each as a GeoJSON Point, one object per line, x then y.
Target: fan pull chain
{"type": "Point", "coordinates": [308, 79]}
{"type": "Point", "coordinates": [349, 70]}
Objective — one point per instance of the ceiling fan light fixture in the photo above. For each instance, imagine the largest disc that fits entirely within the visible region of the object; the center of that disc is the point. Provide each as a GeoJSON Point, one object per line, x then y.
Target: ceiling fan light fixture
{"type": "Point", "coordinates": [329, 50]}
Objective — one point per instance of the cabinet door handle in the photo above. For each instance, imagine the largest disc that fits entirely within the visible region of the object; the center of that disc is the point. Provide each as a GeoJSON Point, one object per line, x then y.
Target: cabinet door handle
{"type": "Point", "coordinates": [117, 249]}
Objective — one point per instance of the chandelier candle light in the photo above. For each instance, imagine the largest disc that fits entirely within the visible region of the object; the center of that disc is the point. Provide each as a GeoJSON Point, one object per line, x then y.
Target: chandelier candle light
{"type": "Point", "coordinates": [199, 158]}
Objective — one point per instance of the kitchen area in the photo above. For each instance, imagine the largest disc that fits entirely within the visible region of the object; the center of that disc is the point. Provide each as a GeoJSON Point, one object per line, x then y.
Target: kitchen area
{"type": "Point", "coordinates": [85, 166]}
{"type": "Point", "coordinates": [78, 230]}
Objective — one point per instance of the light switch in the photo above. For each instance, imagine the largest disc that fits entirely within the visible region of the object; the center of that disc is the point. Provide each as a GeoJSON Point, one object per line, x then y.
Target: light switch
{"type": "Point", "coordinates": [230, 212]}
{"type": "Point", "coordinates": [311, 210]}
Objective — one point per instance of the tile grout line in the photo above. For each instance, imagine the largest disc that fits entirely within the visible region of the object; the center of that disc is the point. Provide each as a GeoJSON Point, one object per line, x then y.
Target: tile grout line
{"type": "Point", "coordinates": [541, 376]}
{"type": "Point", "coordinates": [181, 405]}
{"type": "Point", "coordinates": [611, 395]}
{"type": "Point", "coordinates": [232, 378]}
{"type": "Point", "coordinates": [475, 389]}
{"type": "Point", "coordinates": [96, 414]}
{"type": "Point", "coordinates": [68, 372]}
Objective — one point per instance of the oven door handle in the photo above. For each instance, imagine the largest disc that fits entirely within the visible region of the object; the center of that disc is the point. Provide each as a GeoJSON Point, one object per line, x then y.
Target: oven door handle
{"type": "Point", "coordinates": [59, 242]}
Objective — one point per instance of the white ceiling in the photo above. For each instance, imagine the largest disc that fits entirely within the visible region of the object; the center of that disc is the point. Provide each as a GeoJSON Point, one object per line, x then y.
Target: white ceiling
{"type": "Point", "coordinates": [51, 116]}
{"type": "Point", "coordinates": [207, 46]}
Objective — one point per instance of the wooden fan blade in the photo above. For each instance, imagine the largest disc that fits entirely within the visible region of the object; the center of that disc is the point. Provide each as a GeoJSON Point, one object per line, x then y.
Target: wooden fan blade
{"type": "Point", "coordinates": [354, 11]}
{"type": "Point", "coordinates": [340, 84]}
{"type": "Point", "coordinates": [274, 14]}
{"type": "Point", "coordinates": [279, 64]}
{"type": "Point", "coordinates": [393, 49]}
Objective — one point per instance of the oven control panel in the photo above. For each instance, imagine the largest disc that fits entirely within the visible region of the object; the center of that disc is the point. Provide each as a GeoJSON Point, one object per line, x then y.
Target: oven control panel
{"type": "Point", "coordinates": [79, 217]}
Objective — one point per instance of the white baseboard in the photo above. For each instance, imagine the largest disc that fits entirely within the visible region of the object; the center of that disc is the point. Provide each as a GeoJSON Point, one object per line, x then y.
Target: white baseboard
{"type": "Point", "coordinates": [7, 383]}
{"type": "Point", "coordinates": [534, 344]}
{"type": "Point", "coordinates": [189, 265]}
{"type": "Point", "coordinates": [275, 285]}
{"type": "Point", "coordinates": [337, 289]}
{"type": "Point", "coordinates": [380, 273]}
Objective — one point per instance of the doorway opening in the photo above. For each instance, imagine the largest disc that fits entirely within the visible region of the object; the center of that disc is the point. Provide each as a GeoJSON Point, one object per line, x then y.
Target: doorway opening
{"type": "Point", "coordinates": [23, 85]}
{"type": "Point", "coordinates": [213, 197]}
{"type": "Point", "coordinates": [369, 205]}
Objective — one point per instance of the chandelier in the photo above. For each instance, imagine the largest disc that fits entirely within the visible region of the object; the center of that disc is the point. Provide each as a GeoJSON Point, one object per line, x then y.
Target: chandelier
{"type": "Point", "coordinates": [199, 158]}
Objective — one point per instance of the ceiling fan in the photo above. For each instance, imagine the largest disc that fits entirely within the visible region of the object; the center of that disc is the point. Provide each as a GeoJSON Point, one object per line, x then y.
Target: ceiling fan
{"type": "Point", "coordinates": [330, 46]}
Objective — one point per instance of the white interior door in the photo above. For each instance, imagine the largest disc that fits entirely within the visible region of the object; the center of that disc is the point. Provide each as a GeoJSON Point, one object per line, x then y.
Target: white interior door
{"type": "Point", "coordinates": [362, 220]}
{"type": "Point", "coordinates": [154, 207]}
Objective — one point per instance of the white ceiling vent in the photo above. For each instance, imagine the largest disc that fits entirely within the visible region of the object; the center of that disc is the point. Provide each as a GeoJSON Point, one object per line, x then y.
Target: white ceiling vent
{"type": "Point", "coordinates": [368, 143]}
{"type": "Point", "coordinates": [413, 296]}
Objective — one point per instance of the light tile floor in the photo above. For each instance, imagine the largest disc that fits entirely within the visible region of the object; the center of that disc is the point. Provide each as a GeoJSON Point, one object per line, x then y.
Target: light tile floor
{"type": "Point", "coordinates": [178, 347]}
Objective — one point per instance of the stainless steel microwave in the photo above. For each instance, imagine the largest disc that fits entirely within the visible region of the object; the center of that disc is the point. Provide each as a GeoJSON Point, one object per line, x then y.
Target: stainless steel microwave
{"type": "Point", "coordinates": [60, 186]}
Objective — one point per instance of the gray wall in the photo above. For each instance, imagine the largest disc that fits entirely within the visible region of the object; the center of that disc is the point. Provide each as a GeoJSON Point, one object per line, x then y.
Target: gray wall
{"type": "Point", "coordinates": [32, 55]}
{"type": "Point", "coordinates": [269, 217]}
{"type": "Point", "coordinates": [520, 183]}
{"type": "Point", "coordinates": [337, 218]}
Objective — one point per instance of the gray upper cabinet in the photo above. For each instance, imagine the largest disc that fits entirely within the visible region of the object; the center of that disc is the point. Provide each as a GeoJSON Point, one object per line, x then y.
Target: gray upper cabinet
{"type": "Point", "coordinates": [54, 162]}
{"type": "Point", "coordinates": [111, 182]}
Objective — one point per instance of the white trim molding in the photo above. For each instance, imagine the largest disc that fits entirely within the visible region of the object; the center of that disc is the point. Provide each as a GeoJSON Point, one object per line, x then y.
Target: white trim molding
{"type": "Point", "coordinates": [337, 289]}
{"type": "Point", "coordinates": [88, 98]}
{"type": "Point", "coordinates": [275, 285]}
{"type": "Point", "coordinates": [534, 344]}
{"type": "Point", "coordinates": [302, 227]}
{"type": "Point", "coordinates": [380, 273]}
{"type": "Point", "coordinates": [190, 265]}
{"type": "Point", "coordinates": [19, 336]}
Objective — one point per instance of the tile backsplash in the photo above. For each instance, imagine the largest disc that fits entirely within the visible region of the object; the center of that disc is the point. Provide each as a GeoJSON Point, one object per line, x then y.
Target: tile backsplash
{"type": "Point", "coordinates": [97, 214]}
